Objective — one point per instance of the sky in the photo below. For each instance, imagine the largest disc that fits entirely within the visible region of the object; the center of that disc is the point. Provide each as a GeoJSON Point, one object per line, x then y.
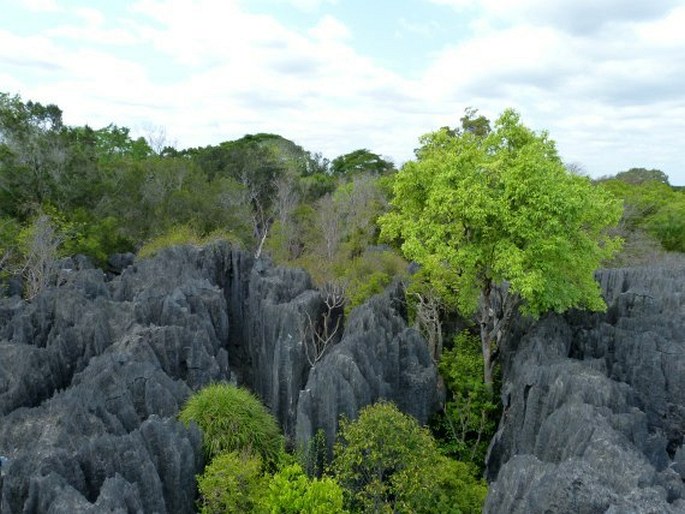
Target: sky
{"type": "Point", "coordinates": [605, 78]}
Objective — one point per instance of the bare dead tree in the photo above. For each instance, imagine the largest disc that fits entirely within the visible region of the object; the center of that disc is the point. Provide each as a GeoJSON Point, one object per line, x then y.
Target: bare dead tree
{"type": "Point", "coordinates": [331, 224]}
{"type": "Point", "coordinates": [156, 137]}
{"type": "Point", "coordinates": [286, 199]}
{"type": "Point", "coordinates": [318, 335]}
{"type": "Point", "coordinates": [428, 309]}
{"type": "Point", "coordinates": [41, 255]}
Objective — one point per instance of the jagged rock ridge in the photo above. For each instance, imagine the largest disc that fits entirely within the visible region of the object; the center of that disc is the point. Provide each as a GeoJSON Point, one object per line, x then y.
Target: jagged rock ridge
{"type": "Point", "coordinates": [594, 412]}
{"type": "Point", "coordinates": [93, 373]}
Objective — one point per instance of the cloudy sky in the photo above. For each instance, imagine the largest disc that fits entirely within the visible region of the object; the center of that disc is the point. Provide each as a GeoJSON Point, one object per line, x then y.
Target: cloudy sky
{"type": "Point", "coordinates": [606, 78]}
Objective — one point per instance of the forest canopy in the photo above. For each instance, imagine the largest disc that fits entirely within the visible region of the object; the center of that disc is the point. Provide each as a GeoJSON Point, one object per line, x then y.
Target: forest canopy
{"type": "Point", "coordinates": [485, 220]}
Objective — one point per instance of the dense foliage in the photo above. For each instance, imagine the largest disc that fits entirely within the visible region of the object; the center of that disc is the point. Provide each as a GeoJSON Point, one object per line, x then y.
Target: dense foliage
{"type": "Point", "coordinates": [233, 420]}
{"type": "Point", "coordinates": [291, 491]}
{"type": "Point", "coordinates": [489, 213]}
{"type": "Point", "coordinates": [497, 222]}
{"type": "Point", "coordinates": [100, 192]}
{"type": "Point", "coordinates": [653, 217]}
{"type": "Point", "coordinates": [386, 462]}
{"type": "Point", "coordinates": [232, 482]}
{"type": "Point", "coordinates": [383, 462]}
{"type": "Point", "coordinates": [470, 415]}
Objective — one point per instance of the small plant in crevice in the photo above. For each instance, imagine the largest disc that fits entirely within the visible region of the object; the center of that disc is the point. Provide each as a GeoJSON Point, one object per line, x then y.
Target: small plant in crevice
{"type": "Point", "coordinates": [469, 420]}
{"type": "Point", "coordinates": [314, 456]}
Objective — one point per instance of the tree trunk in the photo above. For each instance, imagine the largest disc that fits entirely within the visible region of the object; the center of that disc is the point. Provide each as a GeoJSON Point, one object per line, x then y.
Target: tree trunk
{"type": "Point", "coordinates": [496, 308]}
{"type": "Point", "coordinates": [488, 361]}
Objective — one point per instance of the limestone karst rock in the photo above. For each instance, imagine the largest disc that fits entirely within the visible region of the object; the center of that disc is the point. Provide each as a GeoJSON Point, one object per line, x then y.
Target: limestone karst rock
{"type": "Point", "coordinates": [594, 416]}
{"type": "Point", "coordinates": [378, 357]}
{"type": "Point", "coordinates": [94, 370]}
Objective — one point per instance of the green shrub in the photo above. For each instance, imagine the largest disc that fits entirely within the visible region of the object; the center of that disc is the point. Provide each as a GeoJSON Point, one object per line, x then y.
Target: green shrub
{"type": "Point", "coordinates": [314, 457]}
{"type": "Point", "coordinates": [452, 488]}
{"type": "Point", "coordinates": [368, 274]}
{"type": "Point", "coordinates": [177, 235]}
{"type": "Point", "coordinates": [290, 491]}
{"type": "Point", "coordinates": [184, 235]}
{"type": "Point", "coordinates": [388, 463]}
{"type": "Point", "coordinates": [96, 238]}
{"type": "Point", "coordinates": [668, 225]}
{"type": "Point", "coordinates": [232, 482]}
{"type": "Point", "coordinates": [653, 216]}
{"type": "Point", "coordinates": [469, 419]}
{"type": "Point", "coordinates": [233, 419]}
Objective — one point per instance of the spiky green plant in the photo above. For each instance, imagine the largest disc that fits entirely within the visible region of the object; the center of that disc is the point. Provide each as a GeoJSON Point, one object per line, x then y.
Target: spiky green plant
{"type": "Point", "coordinates": [233, 419]}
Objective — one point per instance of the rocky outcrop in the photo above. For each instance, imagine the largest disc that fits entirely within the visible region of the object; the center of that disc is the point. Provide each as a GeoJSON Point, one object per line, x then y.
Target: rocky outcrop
{"type": "Point", "coordinates": [594, 405]}
{"type": "Point", "coordinates": [94, 370]}
{"type": "Point", "coordinates": [92, 375]}
{"type": "Point", "coordinates": [379, 357]}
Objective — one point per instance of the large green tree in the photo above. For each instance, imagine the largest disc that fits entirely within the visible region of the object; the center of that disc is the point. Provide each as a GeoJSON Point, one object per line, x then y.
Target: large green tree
{"type": "Point", "coordinates": [498, 224]}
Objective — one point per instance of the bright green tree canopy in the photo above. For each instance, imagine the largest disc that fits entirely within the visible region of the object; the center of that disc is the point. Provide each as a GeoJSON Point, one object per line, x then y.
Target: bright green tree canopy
{"type": "Point", "coordinates": [480, 210]}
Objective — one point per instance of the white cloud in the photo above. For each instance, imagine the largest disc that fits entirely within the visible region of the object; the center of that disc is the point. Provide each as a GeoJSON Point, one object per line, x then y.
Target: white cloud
{"type": "Point", "coordinates": [311, 5]}
{"type": "Point", "coordinates": [42, 5]}
{"type": "Point", "coordinates": [330, 29]}
{"type": "Point", "coordinates": [573, 16]}
{"type": "Point", "coordinates": [92, 28]}
{"type": "Point", "coordinates": [612, 96]}
{"type": "Point", "coordinates": [605, 78]}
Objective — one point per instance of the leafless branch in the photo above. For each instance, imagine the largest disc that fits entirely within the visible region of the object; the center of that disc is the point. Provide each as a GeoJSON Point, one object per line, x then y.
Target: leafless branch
{"type": "Point", "coordinates": [318, 335]}
{"type": "Point", "coordinates": [428, 309]}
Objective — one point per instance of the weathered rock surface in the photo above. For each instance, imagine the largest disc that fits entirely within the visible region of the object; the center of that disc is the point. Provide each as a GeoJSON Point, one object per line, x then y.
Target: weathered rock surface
{"type": "Point", "coordinates": [594, 413]}
{"type": "Point", "coordinates": [93, 373]}
{"type": "Point", "coordinates": [379, 357]}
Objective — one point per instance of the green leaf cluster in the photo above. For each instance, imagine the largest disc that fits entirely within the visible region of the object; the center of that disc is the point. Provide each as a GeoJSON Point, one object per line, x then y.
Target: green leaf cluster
{"type": "Point", "coordinates": [651, 206]}
{"type": "Point", "coordinates": [233, 482]}
{"type": "Point", "coordinates": [248, 468]}
{"type": "Point", "coordinates": [291, 491]}
{"type": "Point", "coordinates": [184, 235]}
{"type": "Point", "coordinates": [232, 419]}
{"type": "Point", "coordinates": [386, 462]}
{"type": "Point", "coordinates": [469, 418]}
{"type": "Point", "coordinates": [479, 210]}
{"type": "Point", "coordinates": [360, 161]}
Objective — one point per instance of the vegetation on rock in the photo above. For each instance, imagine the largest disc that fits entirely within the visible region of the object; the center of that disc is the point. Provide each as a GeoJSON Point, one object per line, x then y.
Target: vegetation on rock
{"type": "Point", "coordinates": [489, 215]}
{"type": "Point", "coordinates": [233, 420]}
{"type": "Point", "coordinates": [386, 462]}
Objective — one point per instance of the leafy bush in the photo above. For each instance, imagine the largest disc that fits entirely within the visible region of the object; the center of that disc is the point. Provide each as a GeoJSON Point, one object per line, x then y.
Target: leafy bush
{"type": "Point", "coordinates": [232, 482]}
{"type": "Point", "coordinates": [183, 235]}
{"type": "Point", "coordinates": [369, 274]}
{"type": "Point", "coordinates": [388, 463]}
{"type": "Point", "coordinates": [668, 225]}
{"type": "Point", "coordinates": [290, 491]}
{"type": "Point", "coordinates": [98, 238]}
{"type": "Point", "coordinates": [233, 419]}
{"type": "Point", "coordinates": [177, 235]}
{"type": "Point", "coordinates": [453, 490]}
{"type": "Point", "coordinates": [469, 419]}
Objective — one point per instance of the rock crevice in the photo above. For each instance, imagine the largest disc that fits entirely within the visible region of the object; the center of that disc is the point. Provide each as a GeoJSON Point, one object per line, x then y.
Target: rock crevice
{"type": "Point", "coordinates": [595, 405]}
{"type": "Point", "coordinates": [94, 371]}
